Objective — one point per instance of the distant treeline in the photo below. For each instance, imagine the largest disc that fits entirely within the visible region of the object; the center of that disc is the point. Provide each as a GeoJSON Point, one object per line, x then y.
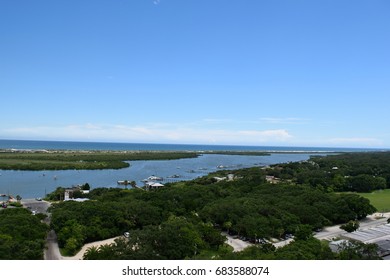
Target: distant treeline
{"type": "Point", "coordinates": [355, 172]}
{"type": "Point", "coordinates": [91, 160]}
{"type": "Point", "coordinates": [237, 153]}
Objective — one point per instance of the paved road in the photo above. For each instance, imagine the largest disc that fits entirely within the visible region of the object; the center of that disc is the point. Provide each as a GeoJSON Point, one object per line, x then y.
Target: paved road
{"type": "Point", "coordinates": [52, 251]}
{"type": "Point", "coordinates": [328, 233]}
{"type": "Point", "coordinates": [37, 206]}
{"type": "Point", "coordinates": [97, 244]}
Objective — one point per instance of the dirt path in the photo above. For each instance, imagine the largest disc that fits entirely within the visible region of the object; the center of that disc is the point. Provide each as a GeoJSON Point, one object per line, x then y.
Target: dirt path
{"type": "Point", "coordinates": [80, 254]}
{"type": "Point", "coordinates": [237, 244]}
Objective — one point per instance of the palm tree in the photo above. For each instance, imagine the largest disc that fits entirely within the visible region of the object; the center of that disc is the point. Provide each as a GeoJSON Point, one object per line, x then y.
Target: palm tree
{"type": "Point", "coordinates": [227, 225]}
{"type": "Point", "coordinates": [92, 253]}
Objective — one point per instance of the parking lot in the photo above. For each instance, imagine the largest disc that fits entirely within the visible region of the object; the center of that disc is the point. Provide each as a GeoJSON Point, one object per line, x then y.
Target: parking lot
{"type": "Point", "coordinates": [379, 235]}
{"type": "Point", "coordinates": [35, 205]}
{"type": "Point", "coordinates": [370, 235]}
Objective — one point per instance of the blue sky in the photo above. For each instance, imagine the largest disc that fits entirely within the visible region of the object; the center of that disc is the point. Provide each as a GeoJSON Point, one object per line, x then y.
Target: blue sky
{"type": "Point", "coordinates": [248, 72]}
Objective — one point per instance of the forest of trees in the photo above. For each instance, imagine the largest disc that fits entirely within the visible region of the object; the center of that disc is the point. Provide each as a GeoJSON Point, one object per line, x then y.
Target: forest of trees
{"type": "Point", "coordinates": [350, 172]}
{"type": "Point", "coordinates": [80, 160]}
{"type": "Point", "coordinates": [185, 220]}
{"type": "Point", "coordinates": [22, 235]}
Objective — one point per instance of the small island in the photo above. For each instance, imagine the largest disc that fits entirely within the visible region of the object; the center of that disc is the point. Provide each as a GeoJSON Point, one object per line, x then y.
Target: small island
{"type": "Point", "coordinates": [37, 160]}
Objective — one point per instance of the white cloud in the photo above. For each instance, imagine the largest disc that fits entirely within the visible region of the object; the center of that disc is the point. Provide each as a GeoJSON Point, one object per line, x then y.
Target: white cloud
{"type": "Point", "coordinates": [265, 135]}
{"type": "Point", "coordinates": [284, 120]}
{"type": "Point", "coordinates": [184, 134]}
{"type": "Point", "coordinates": [356, 142]}
{"type": "Point", "coordinates": [217, 121]}
{"type": "Point", "coordinates": [150, 133]}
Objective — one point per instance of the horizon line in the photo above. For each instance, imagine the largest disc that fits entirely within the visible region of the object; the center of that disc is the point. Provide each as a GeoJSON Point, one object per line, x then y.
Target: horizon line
{"type": "Point", "coordinates": [194, 144]}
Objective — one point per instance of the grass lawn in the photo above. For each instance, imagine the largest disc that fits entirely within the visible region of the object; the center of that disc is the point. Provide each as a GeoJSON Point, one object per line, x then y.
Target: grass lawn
{"type": "Point", "coordinates": [380, 199]}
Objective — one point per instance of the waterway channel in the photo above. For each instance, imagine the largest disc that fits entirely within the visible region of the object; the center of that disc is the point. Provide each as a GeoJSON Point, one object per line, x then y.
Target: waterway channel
{"type": "Point", "coordinates": [31, 184]}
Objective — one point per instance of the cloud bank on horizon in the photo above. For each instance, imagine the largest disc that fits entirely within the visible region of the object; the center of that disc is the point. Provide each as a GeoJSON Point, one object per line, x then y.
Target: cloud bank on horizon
{"type": "Point", "coordinates": [151, 134]}
{"type": "Point", "coordinates": [179, 135]}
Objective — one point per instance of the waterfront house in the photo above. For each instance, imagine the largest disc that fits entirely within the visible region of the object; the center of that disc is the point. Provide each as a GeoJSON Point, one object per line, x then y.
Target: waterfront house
{"type": "Point", "coordinates": [150, 185]}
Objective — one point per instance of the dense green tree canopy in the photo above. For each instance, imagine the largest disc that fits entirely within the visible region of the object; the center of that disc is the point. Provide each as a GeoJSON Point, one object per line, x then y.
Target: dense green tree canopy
{"type": "Point", "coordinates": [185, 219]}
{"type": "Point", "coordinates": [358, 172]}
{"type": "Point", "coordinates": [22, 235]}
{"type": "Point", "coordinates": [252, 209]}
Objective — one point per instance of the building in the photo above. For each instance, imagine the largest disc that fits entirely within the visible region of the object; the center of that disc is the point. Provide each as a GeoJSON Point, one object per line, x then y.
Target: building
{"type": "Point", "coordinates": [150, 185]}
{"type": "Point", "coordinates": [272, 179]}
{"type": "Point", "coordinates": [383, 247]}
{"type": "Point", "coordinates": [339, 245]}
{"type": "Point", "coordinates": [379, 235]}
{"type": "Point", "coordinates": [69, 193]}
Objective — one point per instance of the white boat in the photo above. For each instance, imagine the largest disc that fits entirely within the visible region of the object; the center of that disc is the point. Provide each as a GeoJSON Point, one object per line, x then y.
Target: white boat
{"type": "Point", "coordinates": [155, 178]}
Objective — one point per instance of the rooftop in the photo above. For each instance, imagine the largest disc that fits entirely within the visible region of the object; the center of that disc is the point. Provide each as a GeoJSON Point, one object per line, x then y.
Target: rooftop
{"type": "Point", "coordinates": [371, 235]}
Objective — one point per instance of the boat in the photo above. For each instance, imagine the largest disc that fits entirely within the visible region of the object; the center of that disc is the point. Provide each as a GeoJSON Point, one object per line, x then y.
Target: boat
{"type": "Point", "coordinates": [174, 176]}
{"type": "Point", "coordinates": [155, 178]}
{"type": "Point", "coordinates": [124, 182]}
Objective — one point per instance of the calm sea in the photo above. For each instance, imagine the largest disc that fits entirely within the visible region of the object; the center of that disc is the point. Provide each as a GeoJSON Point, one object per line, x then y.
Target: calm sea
{"type": "Point", "coordinates": [30, 184]}
{"type": "Point", "coordinates": [64, 145]}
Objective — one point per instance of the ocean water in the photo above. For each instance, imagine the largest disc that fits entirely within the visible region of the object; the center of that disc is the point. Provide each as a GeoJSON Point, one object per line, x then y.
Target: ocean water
{"type": "Point", "coordinates": [65, 145]}
{"type": "Point", "coordinates": [30, 184]}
